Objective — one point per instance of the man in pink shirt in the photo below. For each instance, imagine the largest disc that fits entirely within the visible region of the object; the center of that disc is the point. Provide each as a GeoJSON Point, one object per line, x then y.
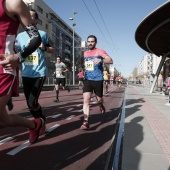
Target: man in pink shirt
{"type": "Point", "coordinates": [93, 78]}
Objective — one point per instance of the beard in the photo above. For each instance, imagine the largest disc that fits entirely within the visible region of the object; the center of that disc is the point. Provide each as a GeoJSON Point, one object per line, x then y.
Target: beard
{"type": "Point", "coordinates": [91, 47]}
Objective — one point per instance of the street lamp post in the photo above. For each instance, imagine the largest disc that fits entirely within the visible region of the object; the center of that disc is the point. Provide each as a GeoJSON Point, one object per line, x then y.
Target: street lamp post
{"type": "Point", "coordinates": [74, 24]}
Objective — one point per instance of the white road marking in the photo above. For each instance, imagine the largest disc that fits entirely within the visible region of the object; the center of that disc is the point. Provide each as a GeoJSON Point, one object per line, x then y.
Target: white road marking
{"type": "Point", "coordinates": [5, 140]}
{"type": "Point", "coordinates": [55, 116]}
{"type": "Point", "coordinates": [80, 110]}
{"type": "Point", "coordinates": [70, 117]}
{"type": "Point", "coordinates": [69, 109]}
{"type": "Point", "coordinates": [19, 148]}
{"type": "Point", "coordinates": [79, 105]}
{"type": "Point", "coordinates": [52, 128]}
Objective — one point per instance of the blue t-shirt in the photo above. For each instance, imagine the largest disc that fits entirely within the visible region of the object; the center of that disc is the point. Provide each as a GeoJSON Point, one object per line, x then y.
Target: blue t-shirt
{"type": "Point", "coordinates": [35, 64]}
{"type": "Point", "coordinates": [93, 60]}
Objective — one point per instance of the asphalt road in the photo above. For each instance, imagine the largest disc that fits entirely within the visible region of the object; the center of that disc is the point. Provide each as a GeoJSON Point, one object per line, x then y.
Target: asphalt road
{"type": "Point", "coordinates": [64, 145]}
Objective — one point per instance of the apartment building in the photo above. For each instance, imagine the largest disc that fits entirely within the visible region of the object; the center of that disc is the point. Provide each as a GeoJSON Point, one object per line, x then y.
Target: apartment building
{"type": "Point", "coordinates": [60, 33]}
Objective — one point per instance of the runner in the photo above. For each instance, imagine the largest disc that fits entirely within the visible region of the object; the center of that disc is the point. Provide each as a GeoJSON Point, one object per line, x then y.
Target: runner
{"type": "Point", "coordinates": [34, 70]}
{"type": "Point", "coordinates": [93, 59]}
{"type": "Point", "coordinates": [106, 81]}
{"type": "Point", "coordinates": [119, 81]}
{"type": "Point", "coordinates": [60, 77]}
{"type": "Point", "coordinates": [111, 80]}
{"type": "Point", "coordinates": [81, 77]}
{"type": "Point", "coordinates": [12, 14]}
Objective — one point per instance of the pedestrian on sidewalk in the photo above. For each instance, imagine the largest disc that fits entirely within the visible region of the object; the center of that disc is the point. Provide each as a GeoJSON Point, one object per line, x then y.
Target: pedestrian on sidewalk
{"type": "Point", "coordinates": [93, 61]}
{"type": "Point", "coordinates": [12, 14]}
{"type": "Point", "coordinates": [168, 86]}
{"type": "Point", "coordinates": [34, 69]}
{"type": "Point", "coordinates": [60, 70]}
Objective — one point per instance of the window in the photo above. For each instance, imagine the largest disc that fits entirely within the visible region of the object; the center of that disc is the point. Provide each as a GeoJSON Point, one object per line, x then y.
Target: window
{"type": "Point", "coordinates": [39, 22]}
{"type": "Point", "coordinates": [46, 15]}
{"type": "Point", "coordinates": [39, 9]}
{"type": "Point", "coordinates": [46, 26]}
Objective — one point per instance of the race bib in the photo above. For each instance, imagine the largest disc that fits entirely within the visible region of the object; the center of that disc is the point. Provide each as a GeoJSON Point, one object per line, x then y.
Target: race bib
{"type": "Point", "coordinates": [89, 65]}
{"type": "Point", "coordinates": [32, 59]}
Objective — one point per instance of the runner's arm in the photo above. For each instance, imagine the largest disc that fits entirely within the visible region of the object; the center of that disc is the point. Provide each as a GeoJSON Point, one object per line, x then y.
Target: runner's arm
{"type": "Point", "coordinates": [108, 60]}
{"type": "Point", "coordinates": [49, 48]}
{"type": "Point", "coordinates": [18, 10]}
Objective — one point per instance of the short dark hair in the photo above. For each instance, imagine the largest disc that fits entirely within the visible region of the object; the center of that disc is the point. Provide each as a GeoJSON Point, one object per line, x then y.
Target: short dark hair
{"type": "Point", "coordinates": [92, 36]}
{"type": "Point", "coordinates": [58, 57]}
{"type": "Point", "coordinates": [36, 15]}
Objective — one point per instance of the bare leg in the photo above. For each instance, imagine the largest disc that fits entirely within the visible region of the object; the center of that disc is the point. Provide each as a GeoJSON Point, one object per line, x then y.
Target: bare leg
{"type": "Point", "coordinates": [86, 103]}
{"type": "Point", "coordinates": [106, 87]}
{"type": "Point", "coordinates": [12, 120]}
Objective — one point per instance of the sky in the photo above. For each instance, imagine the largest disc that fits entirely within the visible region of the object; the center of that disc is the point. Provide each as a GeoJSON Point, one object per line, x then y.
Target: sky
{"type": "Point", "coordinates": [113, 22]}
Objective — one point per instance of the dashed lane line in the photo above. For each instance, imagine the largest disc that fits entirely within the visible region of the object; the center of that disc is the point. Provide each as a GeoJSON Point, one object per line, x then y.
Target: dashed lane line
{"type": "Point", "coordinates": [70, 117]}
{"type": "Point", "coordinates": [70, 109]}
{"type": "Point", "coordinates": [79, 105]}
{"type": "Point", "coordinates": [19, 148]}
{"type": "Point", "coordinates": [52, 128]}
{"type": "Point", "coordinates": [5, 140]}
{"type": "Point", "coordinates": [55, 116]}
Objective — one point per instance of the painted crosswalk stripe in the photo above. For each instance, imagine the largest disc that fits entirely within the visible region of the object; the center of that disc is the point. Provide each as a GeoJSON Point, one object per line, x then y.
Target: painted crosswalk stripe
{"type": "Point", "coordinates": [70, 117]}
{"type": "Point", "coordinates": [52, 128]}
{"type": "Point", "coordinates": [5, 140]}
{"type": "Point", "coordinates": [55, 116]}
{"type": "Point", "coordinates": [19, 148]}
{"type": "Point", "coordinates": [80, 110]}
{"type": "Point", "coordinates": [69, 109]}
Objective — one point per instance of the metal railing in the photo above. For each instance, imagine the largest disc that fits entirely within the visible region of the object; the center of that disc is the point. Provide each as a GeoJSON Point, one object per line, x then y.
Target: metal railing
{"type": "Point", "coordinates": [50, 81]}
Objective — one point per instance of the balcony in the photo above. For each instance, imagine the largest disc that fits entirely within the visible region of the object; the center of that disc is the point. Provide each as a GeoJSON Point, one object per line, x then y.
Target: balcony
{"type": "Point", "coordinates": [67, 51]}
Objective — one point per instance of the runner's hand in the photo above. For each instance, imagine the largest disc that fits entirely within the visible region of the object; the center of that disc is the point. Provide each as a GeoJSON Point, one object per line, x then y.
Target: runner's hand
{"type": "Point", "coordinates": [10, 61]}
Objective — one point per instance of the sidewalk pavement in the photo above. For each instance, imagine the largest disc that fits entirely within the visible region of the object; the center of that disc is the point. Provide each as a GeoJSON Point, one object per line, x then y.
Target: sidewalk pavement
{"type": "Point", "coordinates": [146, 142]}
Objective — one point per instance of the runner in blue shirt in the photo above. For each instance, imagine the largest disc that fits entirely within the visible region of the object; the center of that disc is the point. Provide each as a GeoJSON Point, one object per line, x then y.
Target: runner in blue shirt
{"type": "Point", "coordinates": [34, 70]}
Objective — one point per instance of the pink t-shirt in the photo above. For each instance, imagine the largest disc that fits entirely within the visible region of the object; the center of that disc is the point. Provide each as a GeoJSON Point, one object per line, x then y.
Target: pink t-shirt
{"type": "Point", "coordinates": [93, 60]}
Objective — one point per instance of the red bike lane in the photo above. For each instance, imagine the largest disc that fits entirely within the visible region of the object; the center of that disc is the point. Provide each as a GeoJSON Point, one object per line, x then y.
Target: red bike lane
{"type": "Point", "coordinates": [64, 145]}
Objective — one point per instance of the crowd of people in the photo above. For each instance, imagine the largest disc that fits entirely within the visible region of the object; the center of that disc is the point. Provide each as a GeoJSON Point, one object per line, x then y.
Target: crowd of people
{"type": "Point", "coordinates": [28, 48]}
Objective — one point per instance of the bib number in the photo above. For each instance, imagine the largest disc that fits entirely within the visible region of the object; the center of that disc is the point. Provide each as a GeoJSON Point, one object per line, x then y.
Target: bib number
{"type": "Point", "coordinates": [89, 65]}
{"type": "Point", "coordinates": [32, 59]}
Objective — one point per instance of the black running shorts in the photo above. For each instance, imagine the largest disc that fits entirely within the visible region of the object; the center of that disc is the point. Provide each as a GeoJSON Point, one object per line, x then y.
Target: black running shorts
{"type": "Point", "coordinates": [60, 81]}
{"type": "Point", "coordinates": [96, 86]}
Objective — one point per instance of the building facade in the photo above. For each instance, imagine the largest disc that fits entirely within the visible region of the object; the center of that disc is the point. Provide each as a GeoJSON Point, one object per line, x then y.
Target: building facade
{"type": "Point", "coordinates": [60, 33]}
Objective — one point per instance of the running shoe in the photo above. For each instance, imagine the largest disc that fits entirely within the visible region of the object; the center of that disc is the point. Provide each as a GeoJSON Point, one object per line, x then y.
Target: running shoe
{"type": "Point", "coordinates": [85, 125]}
{"type": "Point", "coordinates": [43, 127]}
{"type": "Point", "coordinates": [34, 134]}
{"type": "Point", "coordinates": [102, 108]}
{"type": "Point", "coordinates": [56, 100]}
